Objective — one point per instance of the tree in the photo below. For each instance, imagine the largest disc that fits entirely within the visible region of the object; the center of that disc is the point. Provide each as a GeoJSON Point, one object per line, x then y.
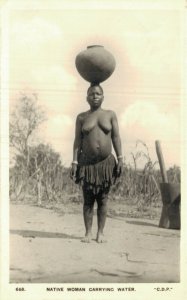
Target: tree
{"type": "Point", "coordinates": [25, 119]}
{"type": "Point", "coordinates": [46, 168]}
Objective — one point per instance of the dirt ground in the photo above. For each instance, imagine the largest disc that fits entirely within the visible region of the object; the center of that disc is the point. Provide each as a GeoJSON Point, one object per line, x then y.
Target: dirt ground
{"type": "Point", "coordinates": [46, 247]}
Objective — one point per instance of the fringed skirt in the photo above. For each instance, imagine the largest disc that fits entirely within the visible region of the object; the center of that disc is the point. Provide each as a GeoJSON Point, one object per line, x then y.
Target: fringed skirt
{"type": "Point", "coordinates": [99, 176]}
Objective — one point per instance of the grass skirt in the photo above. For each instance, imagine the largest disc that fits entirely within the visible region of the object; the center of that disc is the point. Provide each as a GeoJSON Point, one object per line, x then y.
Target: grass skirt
{"type": "Point", "coordinates": [98, 176]}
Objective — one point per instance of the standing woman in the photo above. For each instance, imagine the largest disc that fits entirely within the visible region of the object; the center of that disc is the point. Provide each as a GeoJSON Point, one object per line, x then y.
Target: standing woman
{"type": "Point", "coordinates": [94, 166]}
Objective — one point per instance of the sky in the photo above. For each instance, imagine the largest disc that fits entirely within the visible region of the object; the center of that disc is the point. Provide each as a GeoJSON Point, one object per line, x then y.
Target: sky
{"type": "Point", "coordinates": [144, 90]}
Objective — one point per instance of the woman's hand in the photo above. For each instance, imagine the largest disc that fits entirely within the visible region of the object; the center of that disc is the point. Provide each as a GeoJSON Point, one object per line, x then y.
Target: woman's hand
{"type": "Point", "coordinates": [119, 167]}
{"type": "Point", "coordinates": [73, 171]}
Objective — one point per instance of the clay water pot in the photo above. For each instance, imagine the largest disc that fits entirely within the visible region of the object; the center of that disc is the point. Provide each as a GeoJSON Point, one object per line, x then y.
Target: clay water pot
{"type": "Point", "coordinates": [95, 64]}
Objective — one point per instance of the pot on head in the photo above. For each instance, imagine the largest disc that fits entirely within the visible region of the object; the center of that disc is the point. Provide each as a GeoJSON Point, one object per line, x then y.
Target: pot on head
{"type": "Point", "coordinates": [95, 64]}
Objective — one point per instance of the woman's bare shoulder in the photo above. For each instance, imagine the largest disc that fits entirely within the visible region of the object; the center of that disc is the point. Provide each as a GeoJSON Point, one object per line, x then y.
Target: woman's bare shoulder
{"type": "Point", "coordinates": [82, 115]}
{"type": "Point", "coordinates": [110, 112]}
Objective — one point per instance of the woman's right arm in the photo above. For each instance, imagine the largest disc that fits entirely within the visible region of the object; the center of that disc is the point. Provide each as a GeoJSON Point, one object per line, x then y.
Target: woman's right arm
{"type": "Point", "coordinates": [76, 146]}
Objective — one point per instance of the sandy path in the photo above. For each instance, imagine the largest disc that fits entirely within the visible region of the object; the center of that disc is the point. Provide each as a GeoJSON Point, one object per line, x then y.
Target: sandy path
{"type": "Point", "coordinates": [46, 247]}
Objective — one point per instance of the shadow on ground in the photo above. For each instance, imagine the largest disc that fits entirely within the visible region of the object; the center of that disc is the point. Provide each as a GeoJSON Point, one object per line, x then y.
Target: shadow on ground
{"type": "Point", "coordinates": [41, 234]}
{"type": "Point", "coordinates": [141, 223]}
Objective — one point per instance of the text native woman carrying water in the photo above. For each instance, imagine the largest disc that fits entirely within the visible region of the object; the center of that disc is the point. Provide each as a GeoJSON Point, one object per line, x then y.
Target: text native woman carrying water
{"type": "Point", "coordinates": [94, 166]}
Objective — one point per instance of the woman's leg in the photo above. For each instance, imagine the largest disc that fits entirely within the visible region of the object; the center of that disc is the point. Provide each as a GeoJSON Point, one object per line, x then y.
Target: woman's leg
{"type": "Point", "coordinates": [89, 199]}
{"type": "Point", "coordinates": [102, 199]}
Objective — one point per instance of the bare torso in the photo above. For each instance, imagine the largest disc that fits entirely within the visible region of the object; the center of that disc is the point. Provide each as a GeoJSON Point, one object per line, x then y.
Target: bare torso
{"type": "Point", "coordinates": [96, 130]}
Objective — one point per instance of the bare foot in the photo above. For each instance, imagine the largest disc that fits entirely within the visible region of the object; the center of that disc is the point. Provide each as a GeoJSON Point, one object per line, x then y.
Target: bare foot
{"type": "Point", "coordinates": [87, 238]}
{"type": "Point", "coordinates": [100, 238]}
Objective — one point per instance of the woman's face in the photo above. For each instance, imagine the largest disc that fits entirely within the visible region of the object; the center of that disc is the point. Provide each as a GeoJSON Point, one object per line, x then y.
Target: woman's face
{"type": "Point", "coordinates": [95, 96]}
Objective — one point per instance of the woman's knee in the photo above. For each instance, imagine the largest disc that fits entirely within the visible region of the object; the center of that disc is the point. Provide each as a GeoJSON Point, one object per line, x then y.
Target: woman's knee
{"type": "Point", "coordinates": [102, 201]}
{"type": "Point", "coordinates": [89, 198]}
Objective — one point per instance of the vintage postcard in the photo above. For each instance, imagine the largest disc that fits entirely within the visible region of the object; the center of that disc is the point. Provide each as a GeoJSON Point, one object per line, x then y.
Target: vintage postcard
{"type": "Point", "coordinates": [93, 142]}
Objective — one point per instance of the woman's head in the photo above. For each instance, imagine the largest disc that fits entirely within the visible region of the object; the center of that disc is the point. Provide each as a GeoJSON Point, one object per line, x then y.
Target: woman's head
{"type": "Point", "coordinates": [95, 96]}
{"type": "Point", "coordinates": [95, 85]}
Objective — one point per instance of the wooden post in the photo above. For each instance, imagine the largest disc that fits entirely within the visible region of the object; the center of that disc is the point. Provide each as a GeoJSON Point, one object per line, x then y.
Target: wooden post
{"type": "Point", "coordinates": [161, 162]}
{"type": "Point", "coordinates": [170, 216]}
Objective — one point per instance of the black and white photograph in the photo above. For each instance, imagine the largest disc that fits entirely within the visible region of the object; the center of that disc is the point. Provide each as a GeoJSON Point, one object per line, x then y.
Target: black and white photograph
{"type": "Point", "coordinates": [93, 146]}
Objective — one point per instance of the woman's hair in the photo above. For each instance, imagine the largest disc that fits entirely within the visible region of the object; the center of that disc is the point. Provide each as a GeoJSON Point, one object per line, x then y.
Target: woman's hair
{"type": "Point", "coordinates": [94, 84]}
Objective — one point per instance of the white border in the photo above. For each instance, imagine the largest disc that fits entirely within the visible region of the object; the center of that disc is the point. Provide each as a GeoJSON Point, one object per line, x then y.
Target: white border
{"type": "Point", "coordinates": [38, 291]}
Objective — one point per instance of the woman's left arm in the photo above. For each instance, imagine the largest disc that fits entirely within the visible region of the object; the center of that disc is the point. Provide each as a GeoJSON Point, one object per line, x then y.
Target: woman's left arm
{"type": "Point", "coordinates": [116, 141]}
